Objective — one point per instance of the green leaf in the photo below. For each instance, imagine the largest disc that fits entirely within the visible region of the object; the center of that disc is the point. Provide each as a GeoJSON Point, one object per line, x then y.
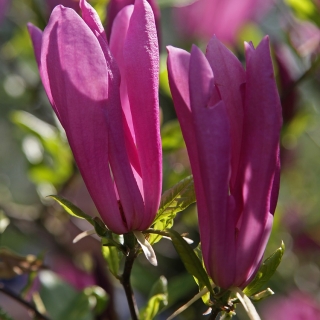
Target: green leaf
{"type": "Point", "coordinates": [174, 200]}
{"type": "Point", "coordinates": [98, 224]}
{"type": "Point", "coordinates": [305, 10]}
{"type": "Point", "coordinates": [101, 228]}
{"type": "Point", "coordinates": [158, 299]}
{"type": "Point", "coordinates": [4, 315]}
{"type": "Point", "coordinates": [180, 287]}
{"type": "Point", "coordinates": [153, 307]}
{"type": "Point", "coordinates": [51, 158]}
{"type": "Point", "coordinates": [72, 209]}
{"type": "Point", "coordinates": [98, 297]}
{"type": "Point", "coordinates": [61, 300]}
{"type": "Point", "coordinates": [113, 256]}
{"type": "Point", "coordinates": [206, 297]}
{"type": "Point", "coordinates": [265, 272]}
{"type": "Point", "coordinates": [171, 136]}
{"type": "Point", "coordinates": [190, 260]}
{"type": "Point", "coordinates": [160, 286]}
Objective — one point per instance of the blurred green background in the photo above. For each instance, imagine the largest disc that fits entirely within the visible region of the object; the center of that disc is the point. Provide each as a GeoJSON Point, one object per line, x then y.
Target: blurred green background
{"type": "Point", "coordinates": [35, 161]}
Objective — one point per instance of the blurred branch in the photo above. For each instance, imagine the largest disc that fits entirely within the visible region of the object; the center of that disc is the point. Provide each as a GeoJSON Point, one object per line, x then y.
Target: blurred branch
{"type": "Point", "coordinates": [314, 66]}
{"type": "Point", "coordinates": [25, 303]}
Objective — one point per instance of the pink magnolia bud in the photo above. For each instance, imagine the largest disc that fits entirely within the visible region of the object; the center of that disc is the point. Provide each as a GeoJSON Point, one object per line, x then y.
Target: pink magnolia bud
{"type": "Point", "coordinates": [106, 118]}
{"type": "Point", "coordinates": [230, 119]}
{"type": "Point", "coordinates": [223, 18]}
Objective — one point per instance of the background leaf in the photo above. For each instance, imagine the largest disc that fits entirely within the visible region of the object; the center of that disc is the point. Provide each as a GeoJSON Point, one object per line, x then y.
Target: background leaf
{"type": "Point", "coordinates": [171, 136]}
{"type": "Point", "coordinates": [190, 260]}
{"type": "Point", "coordinates": [158, 299]}
{"type": "Point", "coordinates": [72, 209]}
{"type": "Point", "coordinates": [113, 256]}
{"type": "Point", "coordinates": [61, 300]}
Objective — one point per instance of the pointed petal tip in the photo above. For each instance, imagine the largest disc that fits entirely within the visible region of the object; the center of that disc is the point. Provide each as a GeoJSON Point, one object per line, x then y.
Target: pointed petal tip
{"type": "Point", "coordinates": [30, 25]}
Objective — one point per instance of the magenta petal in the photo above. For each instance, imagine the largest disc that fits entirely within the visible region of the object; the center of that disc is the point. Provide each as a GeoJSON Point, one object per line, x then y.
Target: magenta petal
{"type": "Point", "coordinates": [178, 72]}
{"type": "Point", "coordinates": [142, 67]}
{"type": "Point", "coordinates": [36, 37]}
{"type": "Point", "coordinates": [213, 137]}
{"type": "Point", "coordinates": [262, 123]}
{"type": "Point", "coordinates": [212, 132]}
{"type": "Point", "coordinates": [261, 248]}
{"type": "Point", "coordinates": [80, 92]}
{"type": "Point", "coordinates": [229, 75]}
{"type": "Point", "coordinates": [127, 187]}
{"type": "Point", "coordinates": [249, 50]}
{"type": "Point", "coordinates": [115, 6]}
{"type": "Point", "coordinates": [118, 35]}
{"type": "Point", "coordinates": [90, 16]}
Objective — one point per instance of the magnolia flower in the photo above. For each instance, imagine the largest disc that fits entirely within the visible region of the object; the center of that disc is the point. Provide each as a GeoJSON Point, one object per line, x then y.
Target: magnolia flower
{"type": "Point", "coordinates": [295, 306]}
{"type": "Point", "coordinates": [231, 120]}
{"type": "Point", "coordinates": [106, 118]}
{"type": "Point", "coordinates": [115, 6]}
{"type": "Point", "coordinates": [224, 18]}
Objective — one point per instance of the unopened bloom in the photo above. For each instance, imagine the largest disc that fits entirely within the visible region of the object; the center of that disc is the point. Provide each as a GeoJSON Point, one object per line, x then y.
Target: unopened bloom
{"type": "Point", "coordinates": [295, 306]}
{"type": "Point", "coordinates": [117, 148]}
{"type": "Point", "coordinates": [204, 18]}
{"type": "Point", "coordinates": [231, 120]}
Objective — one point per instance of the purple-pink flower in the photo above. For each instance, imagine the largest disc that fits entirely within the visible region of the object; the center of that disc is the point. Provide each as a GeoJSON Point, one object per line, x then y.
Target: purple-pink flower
{"type": "Point", "coordinates": [231, 120]}
{"type": "Point", "coordinates": [296, 306]}
{"type": "Point", "coordinates": [204, 18]}
{"type": "Point", "coordinates": [106, 98]}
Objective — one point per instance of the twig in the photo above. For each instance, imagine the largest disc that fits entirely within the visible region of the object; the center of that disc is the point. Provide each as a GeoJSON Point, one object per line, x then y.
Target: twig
{"type": "Point", "coordinates": [214, 314]}
{"type": "Point", "coordinates": [314, 66]}
{"type": "Point", "coordinates": [125, 278]}
{"type": "Point", "coordinates": [25, 303]}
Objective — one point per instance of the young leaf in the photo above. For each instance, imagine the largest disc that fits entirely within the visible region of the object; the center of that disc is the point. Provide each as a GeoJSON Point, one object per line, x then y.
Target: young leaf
{"type": "Point", "coordinates": [72, 209]}
{"type": "Point", "coordinates": [61, 300]}
{"type": "Point", "coordinates": [174, 200]}
{"type": "Point", "coordinates": [190, 260]}
{"type": "Point", "coordinates": [206, 297]}
{"type": "Point", "coordinates": [52, 163]}
{"type": "Point", "coordinates": [153, 307]}
{"type": "Point", "coordinates": [265, 272]}
{"type": "Point", "coordinates": [160, 286]}
{"type": "Point", "coordinates": [113, 256]}
{"type": "Point", "coordinates": [101, 228]}
{"type": "Point", "coordinates": [99, 296]}
{"type": "Point", "coordinates": [158, 299]}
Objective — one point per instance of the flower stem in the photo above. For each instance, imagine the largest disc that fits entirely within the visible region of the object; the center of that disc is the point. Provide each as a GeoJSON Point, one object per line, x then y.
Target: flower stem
{"type": "Point", "coordinates": [125, 278]}
{"type": "Point", "coordinates": [214, 314]}
{"type": "Point", "coordinates": [25, 303]}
